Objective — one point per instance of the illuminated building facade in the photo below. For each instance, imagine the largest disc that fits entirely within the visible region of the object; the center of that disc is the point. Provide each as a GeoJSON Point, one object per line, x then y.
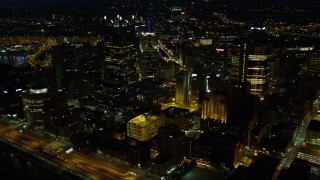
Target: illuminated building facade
{"type": "Point", "coordinates": [149, 60]}
{"type": "Point", "coordinates": [314, 59]}
{"type": "Point", "coordinates": [33, 106]}
{"type": "Point", "coordinates": [310, 73]}
{"type": "Point", "coordinates": [205, 59]}
{"type": "Point", "coordinates": [313, 133]}
{"type": "Point", "coordinates": [147, 40]}
{"type": "Point", "coordinates": [311, 147]}
{"type": "Point", "coordinates": [236, 98]}
{"type": "Point", "coordinates": [144, 127]}
{"type": "Point", "coordinates": [182, 87]}
{"type": "Point", "coordinates": [215, 107]}
{"type": "Point", "coordinates": [237, 71]}
{"type": "Point", "coordinates": [258, 69]}
{"type": "Point", "coordinates": [63, 123]}
{"type": "Point", "coordinates": [197, 88]}
{"type": "Point", "coordinates": [107, 94]}
{"type": "Point", "coordinates": [121, 60]}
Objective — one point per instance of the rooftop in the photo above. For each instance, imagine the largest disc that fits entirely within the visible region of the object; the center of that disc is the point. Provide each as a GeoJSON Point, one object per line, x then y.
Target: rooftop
{"type": "Point", "coordinates": [144, 119]}
{"type": "Point", "coordinates": [178, 106]}
{"type": "Point", "coordinates": [314, 125]}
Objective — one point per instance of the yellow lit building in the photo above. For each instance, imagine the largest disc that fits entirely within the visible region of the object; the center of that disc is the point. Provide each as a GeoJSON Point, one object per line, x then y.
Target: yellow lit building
{"type": "Point", "coordinates": [258, 69]}
{"type": "Point", "coordinates": [144, 127]}
{"type": "Point", "coordinates": [182, 88]}
{"type": "Point", "coordinates": [215, 107]}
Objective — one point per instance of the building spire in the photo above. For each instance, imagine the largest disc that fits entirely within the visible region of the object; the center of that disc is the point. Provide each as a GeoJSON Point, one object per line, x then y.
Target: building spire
{"type": "Point", "coordinates": [149, 23]}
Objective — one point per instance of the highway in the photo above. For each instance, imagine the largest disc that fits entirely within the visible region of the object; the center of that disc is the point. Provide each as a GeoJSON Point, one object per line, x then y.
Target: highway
{"type": "Point", "coordinates": [64, 156]}
{"type": "Point", "coordinates": [297, 141]}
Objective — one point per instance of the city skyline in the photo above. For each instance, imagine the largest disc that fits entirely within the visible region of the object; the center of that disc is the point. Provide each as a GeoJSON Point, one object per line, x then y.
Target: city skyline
{"type": "Point", "coordinates": [143, 89]}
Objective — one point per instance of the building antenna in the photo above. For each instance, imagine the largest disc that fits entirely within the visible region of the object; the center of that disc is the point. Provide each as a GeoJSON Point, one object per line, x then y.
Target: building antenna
{"type": "Point", "coordinates": [149, 23]}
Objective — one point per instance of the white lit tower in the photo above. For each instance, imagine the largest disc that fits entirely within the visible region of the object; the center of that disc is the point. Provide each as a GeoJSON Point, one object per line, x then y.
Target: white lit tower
{"type": "Point", "coordinates": [258, 69]}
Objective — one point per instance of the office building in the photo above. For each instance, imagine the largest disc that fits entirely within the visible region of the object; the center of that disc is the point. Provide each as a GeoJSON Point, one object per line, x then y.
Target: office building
{"type": "Point", "coordinates": [258, 69]}
{"type": "Point", "coordinates": [238, 68]}
{"type": "Point", "coordinates": [171, 140]}
{"type": "Point", "coordinates": [144, 127]}
{"type": "Point", "coordinates": [214, 107]}
{"type": "Point", "coordinates": [120, 61]}
{"type": "Point", "coordinates": [182, 88]}
{"type": "Point", "coordinates": [33, 105]}
{"type": "Point", "coordinates": [197, 88]}
{"type": "Point", "coordinates": [180, 116]}
{"type": "Point", "coordinates": [310, 71]}
{"type": "Point", "coordinates": [217, 149]}
{"type": "Point", "coordinates": [310, 148]}
{"type": "Point", "coordinates": [149, 63]}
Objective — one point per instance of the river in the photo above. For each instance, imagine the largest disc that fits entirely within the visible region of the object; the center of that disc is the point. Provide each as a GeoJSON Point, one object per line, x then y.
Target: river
{"type": "Point", "coordinates": [12, 60]}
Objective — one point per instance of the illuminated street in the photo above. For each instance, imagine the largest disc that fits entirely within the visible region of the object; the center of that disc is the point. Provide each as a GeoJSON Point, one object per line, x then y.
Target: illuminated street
{"type": "Point", "coordinates": [57, 152]}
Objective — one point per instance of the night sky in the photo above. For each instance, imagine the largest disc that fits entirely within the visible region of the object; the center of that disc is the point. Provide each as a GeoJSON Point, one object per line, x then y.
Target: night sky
{"type": "Point", "coordinates": [58, 5]}
{"type": "Point", "coordinates": [49, 2]}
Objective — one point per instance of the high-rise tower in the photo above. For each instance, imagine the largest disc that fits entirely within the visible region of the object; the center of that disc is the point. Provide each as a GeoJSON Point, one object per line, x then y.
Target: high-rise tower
{"type": "Point", "coordinates": [149, 58]}
{"type": "Point", "coordinates": [258, 69]}
{"type": "Point", "coordinates": [182, 87]}
{"type": "Point", "coordinates": [214, 106]}
{"type": "Point", "coordinates": [33, 106]}
{"type": "Point", "coordinates": [121, 60]}
{"type": "Point", "coordinates": [238, 68]}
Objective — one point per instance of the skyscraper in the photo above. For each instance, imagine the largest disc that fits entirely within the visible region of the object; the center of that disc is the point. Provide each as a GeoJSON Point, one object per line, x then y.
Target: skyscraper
{"type": "Point", "coordinates": [149, 58]}
{"type": "Point", "coordinates": [237, 71]}
{"type": "Point", "coordinates": [33, 106]}
{"type": "Point", "coordinates": [309, 75]}
{"type": "Point", "coordinates": [197, 89]}
{"type": "Point", "coordinates": [120, 50]}
{"type": "Point", "coordinates": [214, 107]}
{"type": "Point", "coordinates": [121, 61]}
{"type": "Point", "coordinates": [182, 88]}
{"type": "Point", "coordinates": [258, 69]}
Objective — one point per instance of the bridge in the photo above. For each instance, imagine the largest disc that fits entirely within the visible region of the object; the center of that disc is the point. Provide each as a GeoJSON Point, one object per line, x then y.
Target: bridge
{"type": "Point", "coordinates": [32, 60]}
{"type": "Point", "coordinates": [169, 55]}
